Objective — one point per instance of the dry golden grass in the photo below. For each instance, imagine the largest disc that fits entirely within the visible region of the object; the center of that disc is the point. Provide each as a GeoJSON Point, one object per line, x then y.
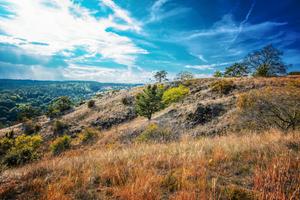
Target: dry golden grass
{"type": "Point", "coordinates": [248, 166]}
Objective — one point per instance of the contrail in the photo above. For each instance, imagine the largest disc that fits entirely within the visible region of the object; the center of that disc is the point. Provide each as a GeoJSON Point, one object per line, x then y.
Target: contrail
{"type": "Point", "coordinates": [243, 22]}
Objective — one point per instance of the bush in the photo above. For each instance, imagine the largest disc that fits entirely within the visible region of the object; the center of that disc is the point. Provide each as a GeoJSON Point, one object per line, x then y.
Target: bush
{"type": "Point", "coordinates": [59, 127]}
{"type": "Point", "coordinates": [20, 150]}
{"type": "Point", "coordinates": [127, 101]}
{"type": "Point", "coordinates": [30, 128]}
{"type": "Point", "coordinates": [88, 135]}
{"type": "Point", "coordinates": [91, 103]}
{"type": "Point", "coordinates": [60, 144]}
{"type": "Point", "coordinates": [271, 107]}
{"type": "Point", "coordinates": [294, 73]}
{"type": "Point", "coordinates": [175, 94]}
{"type": "Point", "coordinates": [155, 133]}
{"type": "Point", "coordinates": [222, 86]}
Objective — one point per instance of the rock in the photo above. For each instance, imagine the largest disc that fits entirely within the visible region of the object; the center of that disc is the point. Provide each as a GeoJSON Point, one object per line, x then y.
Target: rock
{"type": "Point", "coordinates": [109, 122]}
{"type": "Point", "coordinates": [204, 114]}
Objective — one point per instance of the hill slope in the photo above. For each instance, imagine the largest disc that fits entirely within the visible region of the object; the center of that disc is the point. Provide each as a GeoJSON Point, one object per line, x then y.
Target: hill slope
{"type": "Point", "coordinates": [229, 164]}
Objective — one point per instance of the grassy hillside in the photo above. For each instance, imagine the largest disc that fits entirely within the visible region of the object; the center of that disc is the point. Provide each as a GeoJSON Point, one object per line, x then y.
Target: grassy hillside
{"type": "Point", "coordinates": [201, 146]}
{"type": "Point", "coordinates": [18, 95]}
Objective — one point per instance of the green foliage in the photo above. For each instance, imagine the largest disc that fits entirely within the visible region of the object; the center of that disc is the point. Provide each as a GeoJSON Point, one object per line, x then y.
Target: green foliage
{"type": "Point", "coordinates": [236, 70]}
{"type": "Point", "coordinates": [59, 127]}
{"type": "Point", "coordinates": [222, 86]}
{"type": "Point", "coordinates": [149, 101]}
{"type": "Point", "coordinates": [27, 111]}
{"type": "Point", "coordinates": [58, 106]}
{"type": "Point", "coordinates": [294, 73]}
{"type": "Point", "coordinates": [218, 74]}
{"type": "Point", "coordinates": [161, 76]}
{"type": "Point", "coordinates": [155, 133]}
{"type": "Point", "coordinates": [262, 71]}
{"type": "Point", "coordinates": [88, 135]}
{"type": "Point", "coordinates": [91, 103]}
{"type": "Point", "coordinates": [175, 94]}
{"type": "Point", "coordinates": [19, 150]}
{"type": "Point", "coordinates": [60, 144]}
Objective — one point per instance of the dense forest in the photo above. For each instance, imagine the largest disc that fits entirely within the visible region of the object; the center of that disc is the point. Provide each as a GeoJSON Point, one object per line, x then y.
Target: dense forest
{"type": "Point", "coordinates": [18, 97]}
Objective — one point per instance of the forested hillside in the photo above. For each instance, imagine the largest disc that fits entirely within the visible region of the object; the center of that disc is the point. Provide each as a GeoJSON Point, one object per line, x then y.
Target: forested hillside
{"type": "Point", "coordinates": [18, 97]}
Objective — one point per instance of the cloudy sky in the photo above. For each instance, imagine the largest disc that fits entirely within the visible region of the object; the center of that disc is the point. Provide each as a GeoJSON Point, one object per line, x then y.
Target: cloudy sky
{"type": "Point", "coordinates": [128, 40]}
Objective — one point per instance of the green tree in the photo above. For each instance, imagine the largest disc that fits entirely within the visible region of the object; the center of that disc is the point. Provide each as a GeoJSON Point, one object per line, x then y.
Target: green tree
{"type": "Point", "coordinates": [184, 76]}
{"type": "Point", "coordinates": [149, 101]}
{"type": "Point", "coordinates": [161, 76]}
{"type": "Point", "coordinates": [218, 74]}
{"type": "Point", "coordinates": [26, 111]}
{"type": "Point", "coordinates": [266, 62]}
{"type": "Point", "coordinates": [236, 70]}
{"type": "Point", "coordinates": [59, 105]}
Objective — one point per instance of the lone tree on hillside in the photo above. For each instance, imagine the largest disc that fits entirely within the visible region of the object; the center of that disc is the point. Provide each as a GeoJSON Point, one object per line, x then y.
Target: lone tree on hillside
{"type": "Point", "coordinates": [266, 62]}
{"type": "Point", "coordinates": [149, 101]}
{"type": "Point", "coordinates": [236, 70]}
{"type": "Point", "coordinates": [161, 76]}
{"type": "Point", "coordinates": [184, 76]}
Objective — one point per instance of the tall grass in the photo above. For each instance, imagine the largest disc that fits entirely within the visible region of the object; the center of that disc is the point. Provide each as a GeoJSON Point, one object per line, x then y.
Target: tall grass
{"type": "Point", "coordinates": [249, 166]}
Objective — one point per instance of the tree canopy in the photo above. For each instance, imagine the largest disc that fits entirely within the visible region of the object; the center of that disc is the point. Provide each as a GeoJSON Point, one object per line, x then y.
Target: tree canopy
{"type": "Point", "coordinates": [161, 76]}
{"type": "Point", "coordinates": [236, 70]}
{"type": "Point", "coordinates": [266, 62]}
{"type": "Point", "coordinates": [184, 76]}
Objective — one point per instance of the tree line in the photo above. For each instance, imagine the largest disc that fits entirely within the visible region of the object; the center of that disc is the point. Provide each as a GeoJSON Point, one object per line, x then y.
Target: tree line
{"type": "Point", "coordinates": [266, 62]}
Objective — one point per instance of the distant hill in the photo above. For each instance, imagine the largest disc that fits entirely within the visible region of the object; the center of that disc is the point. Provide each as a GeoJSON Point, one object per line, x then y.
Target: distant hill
{"type": "Point", "coordinates": [15, 94]}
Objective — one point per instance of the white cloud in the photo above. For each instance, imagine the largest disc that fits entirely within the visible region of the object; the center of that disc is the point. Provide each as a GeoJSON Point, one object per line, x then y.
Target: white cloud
{"type": "Point", "coordinates": [104, 74]}
{"type": "Point", "coordinates": [158, 13]}
{"type": "Point", "coordinates": [123, 14]}
{"type": "Point", "coordinates": [208, 67]}
{"type": "Point", "coordinates": [63, 25]}
{"type": "Point", "coordinates": [200, 67]}
{"type": "Point", "coordinates": [228, 26]}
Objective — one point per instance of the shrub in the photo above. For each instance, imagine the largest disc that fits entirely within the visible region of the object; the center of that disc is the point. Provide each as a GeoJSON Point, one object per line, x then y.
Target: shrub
{"type": "Point", "coordinates": [91, 103]}
{"type": "Point", "coordinates": [5, 144]}
{"type": "Point", "coordinates": [271, 107]}
{"type": "Point", "coordinates": [294, 73]}
{"type": "Point", "coordinates": [59, 127]}
{"type": "Point", "coordinates": [222, 86]}
{"type": "Point", "coordinates": [128, 100]}
{"type": "Point", "coordinates": [155, 133]}
{"type": "Point", "coordinates": [88, 135]}
{"type": "Point", "coordinates": [30, 128]}
{"type": "Point", "coordinates": [60, 144]}
{"type": "Point", "coordinates": [175, 94]}
{"type": "Point", "coordinates": [20, 150]}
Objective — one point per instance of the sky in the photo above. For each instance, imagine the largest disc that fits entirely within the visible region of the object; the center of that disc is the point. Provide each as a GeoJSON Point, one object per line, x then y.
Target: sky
{"type": "Point", "coordinates": [127, 41]}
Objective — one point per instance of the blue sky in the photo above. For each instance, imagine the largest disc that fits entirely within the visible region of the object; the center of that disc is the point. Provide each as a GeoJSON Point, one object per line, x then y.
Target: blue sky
{"type": "Point", "coordinates": [128, 40]}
